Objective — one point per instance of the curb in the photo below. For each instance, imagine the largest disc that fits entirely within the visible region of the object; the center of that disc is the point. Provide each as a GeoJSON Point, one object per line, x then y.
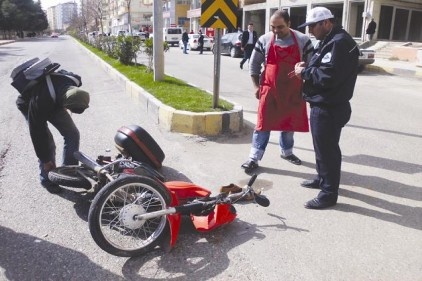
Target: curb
{"type": "Point", "coordinates": [4, 42]}
{"type": "Point", "coordinates": [395, 71]}
{"type": "Point", "coordinates": [170, 119]}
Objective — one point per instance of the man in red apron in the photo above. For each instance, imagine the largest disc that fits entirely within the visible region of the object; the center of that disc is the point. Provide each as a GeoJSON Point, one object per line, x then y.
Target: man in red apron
{"type": "Point", "coordinates": [281, 106]}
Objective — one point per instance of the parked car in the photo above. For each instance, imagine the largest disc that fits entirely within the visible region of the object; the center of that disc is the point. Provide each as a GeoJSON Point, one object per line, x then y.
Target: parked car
{"type": "Point", "coordinates": [142, 35]}
{"type": "Point", "coordinates": [231, 45]}
{"type": "Point", "coordinates": [193, 42]}
{"type": "Point", "coordinates": [172, 35]}
{"type": "Point", "coordinates": [365, 57]}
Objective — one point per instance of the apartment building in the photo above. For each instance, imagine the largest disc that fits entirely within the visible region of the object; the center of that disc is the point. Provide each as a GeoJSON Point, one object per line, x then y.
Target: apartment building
{"type": "Point", "coordinates": [118, 16]}
{"type": "Point", "coordinates": [59, 17]}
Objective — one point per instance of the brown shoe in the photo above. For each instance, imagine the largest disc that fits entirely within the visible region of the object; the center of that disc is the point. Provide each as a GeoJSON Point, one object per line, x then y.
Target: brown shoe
{"type": "Point", "coordinates": [231, 188]}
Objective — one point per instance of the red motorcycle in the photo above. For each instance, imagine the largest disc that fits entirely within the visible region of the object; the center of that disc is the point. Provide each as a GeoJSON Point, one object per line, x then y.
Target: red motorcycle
{"type": "Point", "coordinates": [134, 210]}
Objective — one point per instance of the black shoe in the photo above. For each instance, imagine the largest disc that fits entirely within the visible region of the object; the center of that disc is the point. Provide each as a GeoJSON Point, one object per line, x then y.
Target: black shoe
{"type": "Point", "coordinates": [318, 204]}
{"type": "Point", "coordinates": [249, 166]}
{"type": "Point", "coordinates": [310, 184]}
{"type": "Point", "coordinates": [292, 159]}
{"type": "Point", "coordinates": [241, 66]}
{"type": "Point", "coordinates": [52, 187]}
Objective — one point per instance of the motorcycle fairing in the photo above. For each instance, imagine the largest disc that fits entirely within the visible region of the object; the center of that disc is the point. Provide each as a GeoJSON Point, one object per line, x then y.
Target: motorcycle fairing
{"type": "Point", "coordinates": [186, 190]}
{"type": "Point", "coordinates": [222, 214]}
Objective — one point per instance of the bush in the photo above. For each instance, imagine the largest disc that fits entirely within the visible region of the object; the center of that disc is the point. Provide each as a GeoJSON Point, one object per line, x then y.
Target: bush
{"type": "Point", "coordinates": [149, 51]}
{"type": "Point", "coordinates": [127, 49]}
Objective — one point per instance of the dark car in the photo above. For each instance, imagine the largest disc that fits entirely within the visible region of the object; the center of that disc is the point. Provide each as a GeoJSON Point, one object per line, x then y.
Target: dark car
{"type": "Point", "coordinates": [230, 44]}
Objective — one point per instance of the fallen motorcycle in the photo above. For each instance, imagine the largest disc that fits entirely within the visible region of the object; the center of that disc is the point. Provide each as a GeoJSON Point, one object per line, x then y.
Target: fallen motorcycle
{"type": "Point", "coordinates": [134, 210]}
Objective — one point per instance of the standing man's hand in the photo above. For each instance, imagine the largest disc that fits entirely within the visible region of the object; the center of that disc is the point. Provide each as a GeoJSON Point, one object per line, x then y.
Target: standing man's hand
{"type": "Point", "coordinates": [298, 68]}
{"type": "Point", "coordinates": [49, 166]}
{"type": "Point", "coordinates": [257, 93]}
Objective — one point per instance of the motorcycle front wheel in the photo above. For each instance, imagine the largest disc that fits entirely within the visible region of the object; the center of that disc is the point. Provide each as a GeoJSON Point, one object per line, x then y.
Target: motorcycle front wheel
{"type": "Point", "coordinates": [112, 215]}
{"type": "Point", "coordinates": [72, 176]}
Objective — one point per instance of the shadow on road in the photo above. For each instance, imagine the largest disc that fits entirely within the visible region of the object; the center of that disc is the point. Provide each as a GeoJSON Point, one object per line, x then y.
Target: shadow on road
{"type": "Point", "coordinates": [197, 256]}
{"type": "Point", "coordinates": [25, 257]}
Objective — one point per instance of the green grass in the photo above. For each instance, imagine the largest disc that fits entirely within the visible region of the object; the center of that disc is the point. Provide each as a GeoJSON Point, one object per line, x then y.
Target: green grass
{"type": "Point", "coordinates": [170, 91]}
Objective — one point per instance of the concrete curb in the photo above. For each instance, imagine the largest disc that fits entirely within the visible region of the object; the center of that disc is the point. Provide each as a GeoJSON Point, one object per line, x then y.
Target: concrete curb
{"type": "Point", "coordinates": [170, 119]}
{"type": "Point", "coordinates": [4, 42]}
{"type": "Point", "coordinates": [395, 71]}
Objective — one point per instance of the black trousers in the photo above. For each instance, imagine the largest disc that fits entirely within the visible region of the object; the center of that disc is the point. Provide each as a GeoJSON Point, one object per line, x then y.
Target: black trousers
{"type": "Point", "coordinates": [326, 125]}
{"type": "Point", "coordinates": [247, 52]}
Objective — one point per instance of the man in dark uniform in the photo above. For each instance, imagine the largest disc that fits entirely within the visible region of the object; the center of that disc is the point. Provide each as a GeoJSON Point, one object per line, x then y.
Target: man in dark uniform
{"type": "Point", "coordinates": [329, 82]}
{"type": "Point", "coordinates": [249, 38]}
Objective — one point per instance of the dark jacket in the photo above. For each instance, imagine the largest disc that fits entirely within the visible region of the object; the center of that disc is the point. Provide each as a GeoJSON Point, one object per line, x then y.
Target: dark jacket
{"type": "Point", "coordinates": [245, 38]}
{"type": "Point", "coordinates": [330, 76]}
{"type": "Point", "coordinates": [371, 27]}
{"type": "Point", "coordinates": [37, 105]}
{"type": "Point", "coordinates": [201, 40]}
{"type": "Point", "coordinates": [185, 37]}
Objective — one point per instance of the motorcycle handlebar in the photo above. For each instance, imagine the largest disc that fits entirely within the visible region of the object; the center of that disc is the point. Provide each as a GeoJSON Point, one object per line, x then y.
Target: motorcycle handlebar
{"type": "Point", "coordinates": [252, 180]}
{"type": "Point", "coordinates": [261, 200]}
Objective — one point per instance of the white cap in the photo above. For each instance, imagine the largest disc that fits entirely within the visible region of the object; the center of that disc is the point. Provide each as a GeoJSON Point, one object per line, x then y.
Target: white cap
{"type": "Point", "coordinates": [317, 14]}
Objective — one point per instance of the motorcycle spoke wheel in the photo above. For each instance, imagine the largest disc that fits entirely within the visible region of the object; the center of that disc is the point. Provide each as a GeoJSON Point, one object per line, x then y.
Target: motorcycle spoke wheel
{"type": "Point", "coordinates": [112, 216]}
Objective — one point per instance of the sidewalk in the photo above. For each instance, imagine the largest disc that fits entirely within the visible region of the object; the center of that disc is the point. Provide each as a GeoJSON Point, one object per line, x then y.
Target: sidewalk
{"type": "Point", "coordinates": [395, 67]}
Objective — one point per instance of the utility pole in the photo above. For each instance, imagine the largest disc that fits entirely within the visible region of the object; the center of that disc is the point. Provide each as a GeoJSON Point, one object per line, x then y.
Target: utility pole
{"type": "Point", "coordinates": [158, 52]}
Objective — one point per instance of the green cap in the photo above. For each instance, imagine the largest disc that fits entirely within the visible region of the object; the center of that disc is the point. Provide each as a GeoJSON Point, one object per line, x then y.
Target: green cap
{"type": "Point", "coordinates": [76, 100]}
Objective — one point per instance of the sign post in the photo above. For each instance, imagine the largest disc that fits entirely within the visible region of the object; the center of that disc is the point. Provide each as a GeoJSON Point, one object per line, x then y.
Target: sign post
{"type": "Point", "coordinates": [217, 63]}
{"type": "Point", "coordinates": [218, 14]}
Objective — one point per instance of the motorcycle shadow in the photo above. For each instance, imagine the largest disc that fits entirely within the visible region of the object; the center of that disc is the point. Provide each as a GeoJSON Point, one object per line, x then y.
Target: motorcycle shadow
{"type": "Point", "coordinates": [196, 255]}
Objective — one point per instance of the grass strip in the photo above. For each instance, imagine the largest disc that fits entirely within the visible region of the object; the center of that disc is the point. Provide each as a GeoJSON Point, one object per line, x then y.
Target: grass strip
{"type": "Point", "coordinates": [170, 91]}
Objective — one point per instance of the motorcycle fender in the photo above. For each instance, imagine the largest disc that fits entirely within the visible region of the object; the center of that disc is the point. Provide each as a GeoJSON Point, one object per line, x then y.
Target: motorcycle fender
{"type": "Point", "coordinates": [174, 221]}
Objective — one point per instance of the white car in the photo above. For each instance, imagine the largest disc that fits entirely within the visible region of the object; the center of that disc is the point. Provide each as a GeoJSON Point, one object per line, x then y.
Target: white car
{"type": "Point", "coordinates": [193, 42]}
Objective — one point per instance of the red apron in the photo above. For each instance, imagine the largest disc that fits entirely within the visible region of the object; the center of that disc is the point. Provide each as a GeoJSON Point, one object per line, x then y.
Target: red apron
{"type": "Point", "coordinates": [281, 106]}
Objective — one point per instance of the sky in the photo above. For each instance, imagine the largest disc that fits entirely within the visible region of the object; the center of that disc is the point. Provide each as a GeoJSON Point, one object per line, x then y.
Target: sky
{"type": "Point", "coordinates": [48, 3]}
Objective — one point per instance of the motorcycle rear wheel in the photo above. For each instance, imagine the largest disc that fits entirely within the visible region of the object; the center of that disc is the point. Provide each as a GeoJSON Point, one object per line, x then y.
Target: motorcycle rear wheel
{"type": "Point", "coordinates": [72, 176]}
{"type": "Point", "coordinates": [111, 215]}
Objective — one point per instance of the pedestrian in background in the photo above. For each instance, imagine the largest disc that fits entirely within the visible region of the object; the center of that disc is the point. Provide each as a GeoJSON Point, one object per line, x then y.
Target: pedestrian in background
{"type": "Point", "coordinates": [249, 38]}
{"type": "Point", "coordinates": [370, 31]}
{"type": "Point", "coordinates": [329, 82]}
{"type": "Point", "coordinates": [281, 106]}
{"type": "Point", "coordinates": [185, 40]}
{"type": "Point", "coordinates": [200, 42]}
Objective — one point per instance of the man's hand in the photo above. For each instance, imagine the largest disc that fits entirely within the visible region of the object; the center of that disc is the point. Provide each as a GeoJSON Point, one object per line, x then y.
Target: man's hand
{"type": "Point", "coordinates": [257, 93]}
{"type": "Point", "coordinates": [298, 68]}
{"type": "Point", "coordinates": [49, 166]}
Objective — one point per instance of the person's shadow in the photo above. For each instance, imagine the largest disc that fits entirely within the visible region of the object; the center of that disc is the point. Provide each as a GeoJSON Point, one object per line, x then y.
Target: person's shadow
{"type": "Point", "coordinates": [25, 257]}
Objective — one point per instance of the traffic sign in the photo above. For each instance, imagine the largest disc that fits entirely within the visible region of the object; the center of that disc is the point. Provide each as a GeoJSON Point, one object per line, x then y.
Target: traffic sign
{"type": "Point", "coordinates": [219, 13]}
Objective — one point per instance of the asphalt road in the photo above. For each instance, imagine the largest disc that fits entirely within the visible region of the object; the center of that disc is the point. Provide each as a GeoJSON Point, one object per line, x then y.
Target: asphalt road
{"type": "Point", "coordinates": [373, 233]}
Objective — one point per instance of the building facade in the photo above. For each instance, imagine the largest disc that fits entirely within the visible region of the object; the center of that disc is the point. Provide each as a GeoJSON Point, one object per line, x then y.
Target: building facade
{"type": "Point", "coordinates": [60, 17]}
{"type": "Point", "coordinates": [396, 20]}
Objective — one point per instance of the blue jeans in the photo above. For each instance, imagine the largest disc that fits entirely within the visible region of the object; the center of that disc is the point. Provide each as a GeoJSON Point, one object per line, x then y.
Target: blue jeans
{"type": "Point", "coordinates": [260, 141]}
{"type": "Point", "coordinates": [63, 122]}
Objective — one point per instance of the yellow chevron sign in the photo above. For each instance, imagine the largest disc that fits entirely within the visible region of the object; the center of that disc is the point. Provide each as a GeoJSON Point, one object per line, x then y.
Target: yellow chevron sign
{"type": "Point", "coordinates": [219, 13]}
